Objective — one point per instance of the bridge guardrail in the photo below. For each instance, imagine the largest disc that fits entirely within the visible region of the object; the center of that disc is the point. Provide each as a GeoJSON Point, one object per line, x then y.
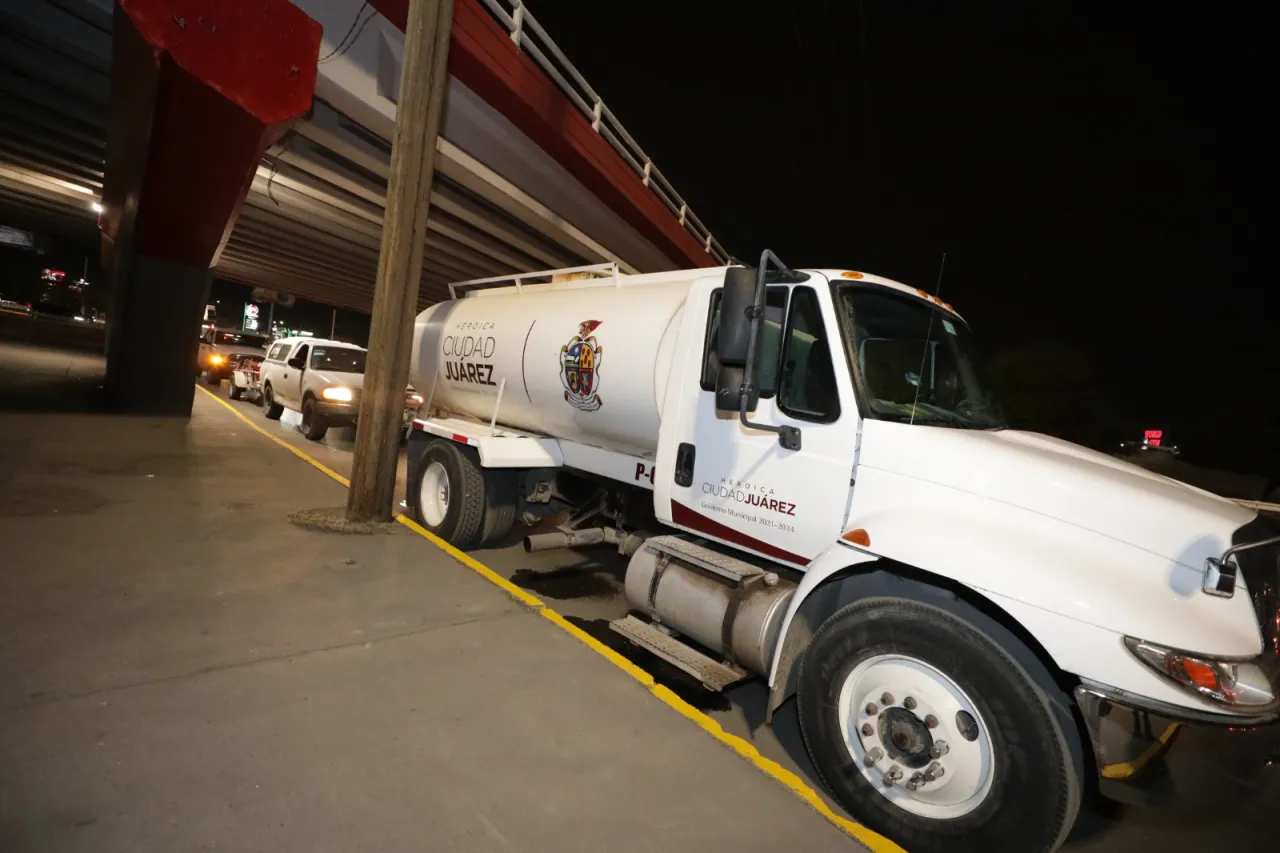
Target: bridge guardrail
{"type": "Point", "coordinates": [530, 37]}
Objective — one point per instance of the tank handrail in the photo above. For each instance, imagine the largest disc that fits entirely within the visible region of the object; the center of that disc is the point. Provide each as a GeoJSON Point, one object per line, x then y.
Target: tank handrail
{"type": "Point", "coordinates": [604, 273]}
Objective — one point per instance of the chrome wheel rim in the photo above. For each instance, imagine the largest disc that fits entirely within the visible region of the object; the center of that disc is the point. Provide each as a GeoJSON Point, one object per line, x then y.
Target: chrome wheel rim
{"type": "Point", "coordinates": [916, 736]}
{"type": "Point", "coordinates": [433, 495]}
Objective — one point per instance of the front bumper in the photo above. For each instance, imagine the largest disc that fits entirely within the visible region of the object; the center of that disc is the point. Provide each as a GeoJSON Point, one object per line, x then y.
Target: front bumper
{"type": "Point", "coordinates": [1161, 755]}
{"type": "Point", "coordinates": [343, 414]}
{"type": "Point", "coordinates": [338, 414]}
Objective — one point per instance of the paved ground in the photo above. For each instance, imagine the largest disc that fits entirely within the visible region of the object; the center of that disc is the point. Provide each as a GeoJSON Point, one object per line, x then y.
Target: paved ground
{"type": "Point", "coordinates": [228, 660]}
{"type": "Point", "coordinates": [587, 587]}
{"type": "Point", "coordinates": [182, 669]}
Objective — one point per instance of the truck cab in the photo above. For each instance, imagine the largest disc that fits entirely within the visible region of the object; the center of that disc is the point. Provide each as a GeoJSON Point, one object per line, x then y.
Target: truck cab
{"type": "Point", "coordinates": [814, 485]}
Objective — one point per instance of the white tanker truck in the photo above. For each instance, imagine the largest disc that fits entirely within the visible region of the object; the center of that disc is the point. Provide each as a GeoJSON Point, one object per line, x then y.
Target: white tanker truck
{"type": "Point", "coordinates": [815, 487]}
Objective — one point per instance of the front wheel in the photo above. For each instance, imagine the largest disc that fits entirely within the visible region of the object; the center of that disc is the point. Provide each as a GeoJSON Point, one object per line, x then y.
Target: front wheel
{"type": "Point", "coordinates": [936, 727]}
{"type": "Point", "coordinates": [314, 424]}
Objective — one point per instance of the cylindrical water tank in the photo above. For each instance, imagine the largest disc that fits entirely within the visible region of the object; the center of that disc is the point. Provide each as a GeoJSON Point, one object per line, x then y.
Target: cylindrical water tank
{"type": "Point", "coordinates": [587, 363]}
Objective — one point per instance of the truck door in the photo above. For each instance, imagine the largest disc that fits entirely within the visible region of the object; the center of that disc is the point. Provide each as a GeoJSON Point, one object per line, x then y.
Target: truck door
{"type": "Point", "coordinates": [739, 485]}
{"type": "Point", "coordinates": [291, 375]}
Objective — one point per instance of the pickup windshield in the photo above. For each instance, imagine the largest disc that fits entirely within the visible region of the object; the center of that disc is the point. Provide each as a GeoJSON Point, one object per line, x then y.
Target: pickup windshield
{"type": "Point", "coordinates": [340, 359]}
{"type": "Point", "coordinates": [917, 362]}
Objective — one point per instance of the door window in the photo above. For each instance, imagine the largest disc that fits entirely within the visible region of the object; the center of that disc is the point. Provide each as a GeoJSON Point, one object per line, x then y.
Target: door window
{"type": "Point", "coordinates": [775, 309]}
{"type": "Point", "coordinates": [808, 387]}
{"type": "Point", "coordinates": [301, 353]}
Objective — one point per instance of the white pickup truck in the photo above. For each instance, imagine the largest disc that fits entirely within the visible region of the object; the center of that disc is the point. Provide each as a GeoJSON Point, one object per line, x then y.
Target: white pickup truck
{"type": "Point", "coordinates": [815, 486]}
{"type": "Point", "coordinates": [320, 379]}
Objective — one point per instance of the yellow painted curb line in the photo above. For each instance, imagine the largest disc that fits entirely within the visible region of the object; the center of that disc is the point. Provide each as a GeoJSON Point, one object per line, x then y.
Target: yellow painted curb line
{"type": "Point", "coordinates": [875, 842]}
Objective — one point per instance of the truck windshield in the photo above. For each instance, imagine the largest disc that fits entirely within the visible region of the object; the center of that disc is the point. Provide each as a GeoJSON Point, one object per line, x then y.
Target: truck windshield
{"type": "Point", "coordinates": [241, 339]}
{"type": "Point", "coordinates": [918, 363]}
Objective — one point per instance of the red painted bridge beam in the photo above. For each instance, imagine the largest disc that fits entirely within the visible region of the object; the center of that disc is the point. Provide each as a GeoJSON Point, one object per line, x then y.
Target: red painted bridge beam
{"type": "Point", "coordinates": [483, 57]}
{"type": "Point", "coordinates": [200, 89]}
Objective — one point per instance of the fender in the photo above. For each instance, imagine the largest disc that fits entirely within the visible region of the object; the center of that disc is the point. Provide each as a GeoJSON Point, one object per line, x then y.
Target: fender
{"type": "Point", "coordinates": [1076, 592]}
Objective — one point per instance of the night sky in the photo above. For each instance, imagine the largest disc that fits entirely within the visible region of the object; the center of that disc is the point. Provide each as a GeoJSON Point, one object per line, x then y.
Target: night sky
{"type": "Point", "coordinates": [1095, 178]}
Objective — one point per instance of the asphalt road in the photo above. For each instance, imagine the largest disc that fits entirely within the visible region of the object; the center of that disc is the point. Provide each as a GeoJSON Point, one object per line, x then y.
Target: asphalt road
{"type": "Point", "coordinates": [587, 588]}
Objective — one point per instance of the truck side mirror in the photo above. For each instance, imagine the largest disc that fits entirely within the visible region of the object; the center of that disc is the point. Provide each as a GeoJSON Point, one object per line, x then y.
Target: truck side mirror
{"type": "Point", "coordinates": [729, 390]}
{"type": "Point", "coordinates": [734, 338]}
{"type": "Point", "coordinates": [736, 301]}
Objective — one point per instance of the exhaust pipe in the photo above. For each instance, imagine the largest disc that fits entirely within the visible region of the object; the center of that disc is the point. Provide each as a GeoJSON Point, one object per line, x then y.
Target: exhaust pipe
{"type": "Point", "coordinates": [628, 543]}
{"type": "Point", "coordinates": [571, 539]}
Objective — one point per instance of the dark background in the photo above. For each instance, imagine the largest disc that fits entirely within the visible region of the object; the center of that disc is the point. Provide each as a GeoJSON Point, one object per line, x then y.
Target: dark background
{"type": "Point", "coordinates": [1096, 178]}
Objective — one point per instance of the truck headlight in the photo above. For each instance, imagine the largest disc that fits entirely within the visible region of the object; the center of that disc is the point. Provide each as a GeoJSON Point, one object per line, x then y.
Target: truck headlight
{"type": "Point", "coordinates": [337, 393]}
{"type": "Point", "coordinates": [216, 359]}
{"type": "Point", "coordinates": [1235, 684]}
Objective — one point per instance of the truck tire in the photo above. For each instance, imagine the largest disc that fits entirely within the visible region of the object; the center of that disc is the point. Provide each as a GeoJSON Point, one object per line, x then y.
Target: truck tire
{"type": "Point", "coordinates": [501, 499]}
{"type": "Point", "coordinates": [273, 409]}
{"type": "Point", "coordinates": [314, 425]}
{"type": "Point", "coordinates": [981, 706]}
{"type": "Point", "coordinates": [449, 494]}
{"type": "Point", "coordinates": [234, 391]}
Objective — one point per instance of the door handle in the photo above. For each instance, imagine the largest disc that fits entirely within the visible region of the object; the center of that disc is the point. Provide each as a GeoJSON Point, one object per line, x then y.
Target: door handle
{"type": "Point", "coordinates": [685, 456]}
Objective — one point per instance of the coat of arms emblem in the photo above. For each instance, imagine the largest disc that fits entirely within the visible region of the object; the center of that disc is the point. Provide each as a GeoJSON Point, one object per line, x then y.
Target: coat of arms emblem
{"type": "Point", "coordinates": [580, 368]}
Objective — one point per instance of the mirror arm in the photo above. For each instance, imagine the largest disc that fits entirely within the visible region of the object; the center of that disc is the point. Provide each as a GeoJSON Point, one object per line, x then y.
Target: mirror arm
{"type": "Point", "coordinates": [788, 436]}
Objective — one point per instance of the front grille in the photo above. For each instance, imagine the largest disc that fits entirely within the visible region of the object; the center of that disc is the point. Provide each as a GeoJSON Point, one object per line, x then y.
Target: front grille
{"type": "Point", "coordinates": [1260, 568]}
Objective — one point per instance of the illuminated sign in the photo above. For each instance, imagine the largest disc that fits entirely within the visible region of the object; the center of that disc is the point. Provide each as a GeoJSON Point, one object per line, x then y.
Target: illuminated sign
{"type": "Point", "coordinates": [1152, 437]}
{"type": "Point", "coordinates": [250, 317]}
{"type": "Point", "coordinates": [53, 275]}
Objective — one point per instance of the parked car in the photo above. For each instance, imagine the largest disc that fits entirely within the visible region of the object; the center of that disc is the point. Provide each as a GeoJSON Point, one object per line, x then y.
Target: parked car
{"type": "Point", "coordinates": [321, 380]}
{"type": "Point", "coordinates": [217, 346]}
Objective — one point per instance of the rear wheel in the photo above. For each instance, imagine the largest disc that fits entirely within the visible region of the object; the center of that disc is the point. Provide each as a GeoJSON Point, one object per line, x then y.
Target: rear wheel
{"type": "Point", "coordinates": [234, 391]}
{"type": "Point", "coordinates": [934, 726]}
{"type": "Point", "coordinates": [450, 494]}
{"type": "Point", "coordinates": [314, 424]}
{"type": "Point", "coordinates": [273, 410]}
{"type": "Point", "coordinates": [501, 497]}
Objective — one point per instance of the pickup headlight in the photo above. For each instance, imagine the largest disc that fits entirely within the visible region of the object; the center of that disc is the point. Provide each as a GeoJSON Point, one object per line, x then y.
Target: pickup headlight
{"type": "Point", "coordinates": [337, 393]}
{"type": "Point", "coordinates": [1235, 684]}
{"type": "Point", "coordinates": [216, 359]}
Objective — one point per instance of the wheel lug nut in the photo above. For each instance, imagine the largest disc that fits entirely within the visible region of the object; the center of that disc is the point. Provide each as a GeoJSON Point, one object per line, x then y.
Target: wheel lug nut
{"type": "Point", "coordinates": [909, 703]}
{"type": "Point", "coordinates": [934, 771]}
{"type": "Point", "coordinates": [931, 721]}
{"type": "Point", "coordinates": [871, 709]}
{"type": "Point", "coordinates": [939, 749]}
{"type": "Point", "coordinates": [892, 776]}
{"type": "Point", "coordinates": [886, 699]}
{"type": "Point", "coordinates": [872, 757]}
{"type": "Point", "coordinates": [868, 730]}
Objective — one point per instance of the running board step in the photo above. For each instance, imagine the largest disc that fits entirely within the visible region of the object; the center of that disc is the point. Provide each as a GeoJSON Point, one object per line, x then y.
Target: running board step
{"type": "Point", "coordinates": [732, 569]}
{"type": "Point", "coordinates": [713, 674]}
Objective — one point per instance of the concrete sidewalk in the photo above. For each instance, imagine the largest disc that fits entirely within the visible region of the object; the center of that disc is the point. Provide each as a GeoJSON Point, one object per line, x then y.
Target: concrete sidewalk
{"type": "Point", "coordinates": [182, 669]}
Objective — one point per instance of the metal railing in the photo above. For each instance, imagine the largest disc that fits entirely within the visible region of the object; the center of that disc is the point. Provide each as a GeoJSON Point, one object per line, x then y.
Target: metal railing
{"type": "Point", "coordinates": [530, 37]}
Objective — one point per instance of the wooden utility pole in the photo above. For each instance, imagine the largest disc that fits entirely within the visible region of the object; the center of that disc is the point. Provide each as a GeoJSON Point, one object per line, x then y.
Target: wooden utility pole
{"type": "Point", "coordinates": [423, 77]}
